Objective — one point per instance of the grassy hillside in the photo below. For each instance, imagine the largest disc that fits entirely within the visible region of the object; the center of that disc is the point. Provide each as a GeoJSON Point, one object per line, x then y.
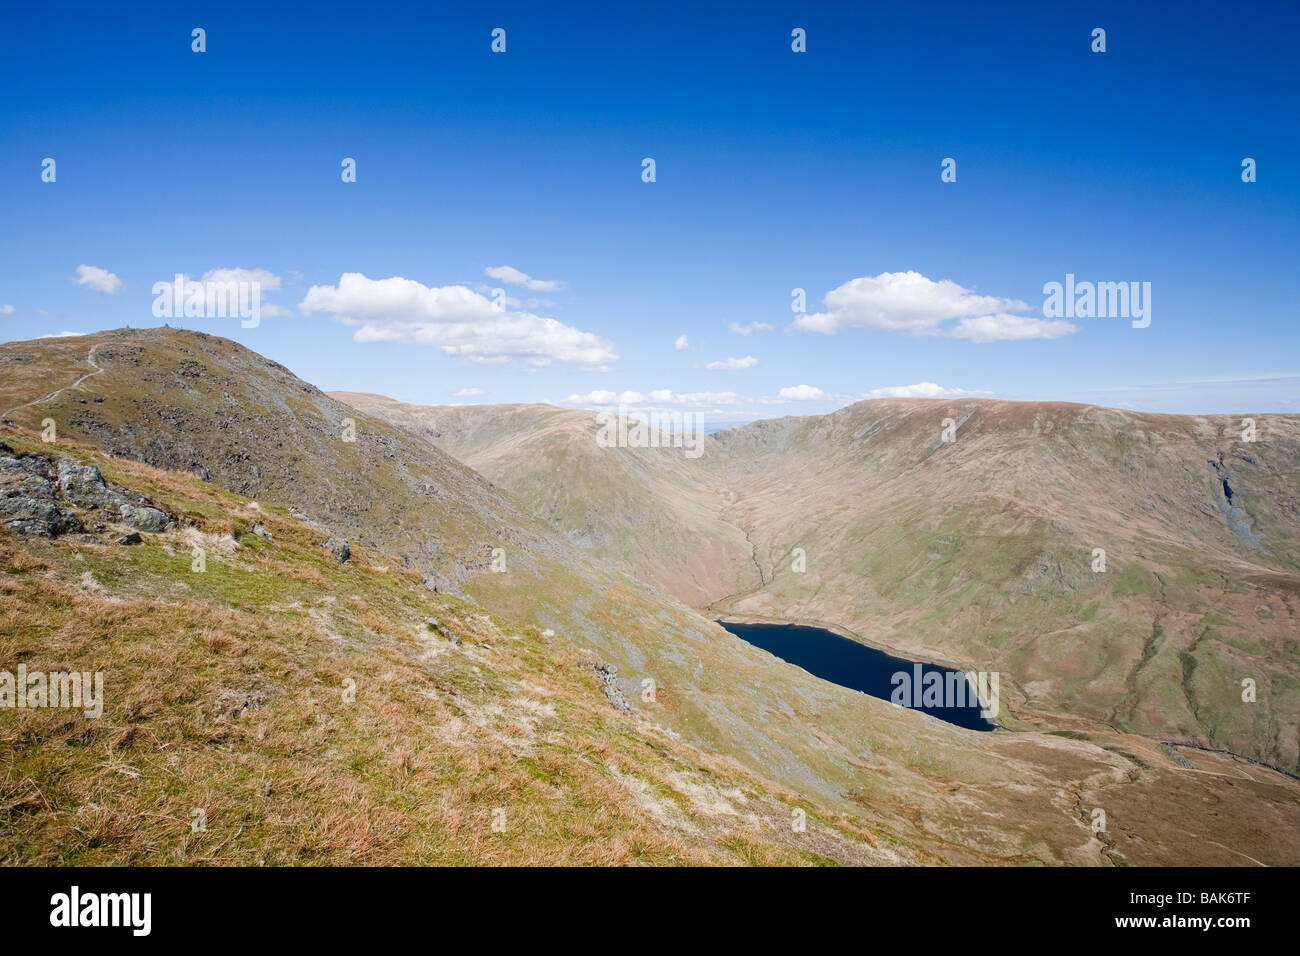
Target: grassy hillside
{"type": "Point", "coordinates": [225, 687]}
{"type": "Point", "coordinates": [652, 513]}
{"type": "Point", "coordinates": [981, 551]}
{"type": "Point", "coordinates": [226, 693]}
{"type": "Point", "coordinates": [977, 552]}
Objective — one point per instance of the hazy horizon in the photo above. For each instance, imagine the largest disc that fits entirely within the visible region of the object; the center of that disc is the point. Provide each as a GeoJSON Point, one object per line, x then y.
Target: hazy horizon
{"type": "Point", "coordinates": [718, 418]}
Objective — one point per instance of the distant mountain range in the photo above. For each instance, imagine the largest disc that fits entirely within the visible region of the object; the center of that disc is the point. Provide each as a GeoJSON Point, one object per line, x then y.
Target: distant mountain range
{"type": "Point", "coordinates": [978, 551]}
{"type": "Point", "coordinates": [529, 617]}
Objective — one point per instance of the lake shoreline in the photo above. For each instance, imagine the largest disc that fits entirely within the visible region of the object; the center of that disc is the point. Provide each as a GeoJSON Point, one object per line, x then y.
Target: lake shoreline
{"type": "Point", "coordinates": [840, 632]}
{"type": "Point", "coordinates": [839, 659]}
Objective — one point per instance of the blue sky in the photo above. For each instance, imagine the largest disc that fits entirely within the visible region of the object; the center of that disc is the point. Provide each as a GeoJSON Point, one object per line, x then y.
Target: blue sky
{"type": "Point", "coordinates": [774, 170]}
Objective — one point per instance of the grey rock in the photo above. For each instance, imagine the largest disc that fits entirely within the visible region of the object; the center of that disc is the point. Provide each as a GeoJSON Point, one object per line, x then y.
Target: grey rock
{"type": "Point", "coordinates": [144, 519]}
{"type": "Point", "coordinates": [261, 532]}
{"type": "Point", "coordinates": [18, 506]}
{"type": "Point", "coordinates": [81, 484]}
{"type": "Point", "coordinates": [339, 548]}
{"type": "Point", "coordinates": [608, 674]}
{"type": "Point", "coordinates": [26, 465]}
{"type": "Point", "coordinates": [38, 516]}
{"type": "Point", "coordinates": [30, 527]}
{"type": "Point", "coordinates": [435, 625]}
{"type": "Point", "coordinates": [18, 484]}
{"type": "Point", "coordinates": [37, 487]}
{"type": "Point", "coordinates": [132, 538]}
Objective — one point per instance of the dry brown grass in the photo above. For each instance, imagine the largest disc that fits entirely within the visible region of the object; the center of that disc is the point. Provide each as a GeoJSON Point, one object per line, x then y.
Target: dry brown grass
{"type": "Point", "coordinates": [214, 704]}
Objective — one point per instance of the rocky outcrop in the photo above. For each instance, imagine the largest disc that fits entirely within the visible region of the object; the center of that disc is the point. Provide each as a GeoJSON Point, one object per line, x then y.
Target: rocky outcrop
{"type": "Point", "coordinates": [38, 516]}
{"type": "Point", "coordinates": [338, 547]}
{"type": "Point", "coordinates": [435, 625]}
{"type": "Point", "coordinates": [82, 484]}
{"type": "Point", "coordinates": [144, 519]}
{"type": "Point", "coordinates": [41, 496]}
{"type": "Point", "coordinates": [608, 675]}
{"type": "Point", "coordinates": [28, 505]}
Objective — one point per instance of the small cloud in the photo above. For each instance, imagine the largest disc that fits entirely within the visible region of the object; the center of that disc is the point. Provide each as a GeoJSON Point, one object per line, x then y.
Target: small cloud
{"type": "Point", "coordinates": [467, 392]}
{"type": "Point", "coordinates": [659, 396]}
{"type": "Point", "coordinates": [101, 280]}
{"type": "Point", "coordinates": [511, 276]}
{"type": "Point", "coordinates": [800, 393]}
{"type": "Point", "coordinates": [732, 364]}
{"type": "Point", "coordinates": [605, 397]}
{"type": "Point", "coordinates": [6, 310]}
{"type": "Point", "coordinates": [908, 303]}
{"type": "Point", "coordinates": [920, 390]}
{"type": "Point", "coordinates": [455, 319]}
{"type": "Point", "coordinates": [681, 344]}
{"type": "Point", "coordinates": [752, 327]}
{"type": "Point", "coordinates": [268, 281]}
{"type": "Point", "coordinates": [1010, 328]}
{"type": "Point", "coordinates": [60, 335]}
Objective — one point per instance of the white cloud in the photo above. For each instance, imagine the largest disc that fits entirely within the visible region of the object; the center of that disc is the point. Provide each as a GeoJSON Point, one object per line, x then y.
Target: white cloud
{"type": "Point", "coordinates": [512, 276]}
{"type": "Point", "coordinates": [731, 364]}
{"type": "Point", "coordinates": [659, 396]}
{"type": "Point", "coordinates": [268, 281]}
{"type": "Point", "coordinates": [101, 280]}
{"type": "Point", "coordinates": [6, 310]}
{"type": "Point", "coordinates": [697, 398]}
{"type": "Point", "coordinates": [507, 301]}
{"type": "Point", "coordinates": [1009, 328]}
{"type": "Point", "coordinates": [456, 320]}
{"type": "Point", "coordinates": [60, 335]}
{"type": "Point", "coordinates": [800, 393]}
{"type": "Point", "coordinates": [752, 327]}
{"type": "Point", "coordinates": [910, 304]}
{"type": "Point", "coordinates": [605, 397]}
{"type": "Point", "coordinates": [467, 392]}
{"type": "Point", "coordinates": [920, 390]}
{"type": "Point", "coordinates": [681, 344]}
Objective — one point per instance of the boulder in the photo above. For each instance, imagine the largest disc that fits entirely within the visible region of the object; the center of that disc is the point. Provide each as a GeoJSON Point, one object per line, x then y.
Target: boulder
{"type": "Point", "coordinates": [81, 484]}
{"type": "Point", "coordinates": [144, 519]}
{"type": "Point", "coordinates": [608, 674]}
{"type": "Point", "coordinates": [339, 548]}
{"type": "Point", "coordinates": [26, 465]}
{"type": "Point", "coordinates": [34, 486]}
{"type": "Point", "coordinates": [36, 516]}
{"type": "Point", "coordinates": [30, 527]}
{"type": "Point", "coordinates": [435, 625]}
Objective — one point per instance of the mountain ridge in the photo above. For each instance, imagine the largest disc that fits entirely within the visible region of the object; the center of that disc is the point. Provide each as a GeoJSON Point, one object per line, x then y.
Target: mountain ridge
{"type": "Point", "coordinates": [917, 546]}
{"type": "Point", "coordinates": [935, 792]}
